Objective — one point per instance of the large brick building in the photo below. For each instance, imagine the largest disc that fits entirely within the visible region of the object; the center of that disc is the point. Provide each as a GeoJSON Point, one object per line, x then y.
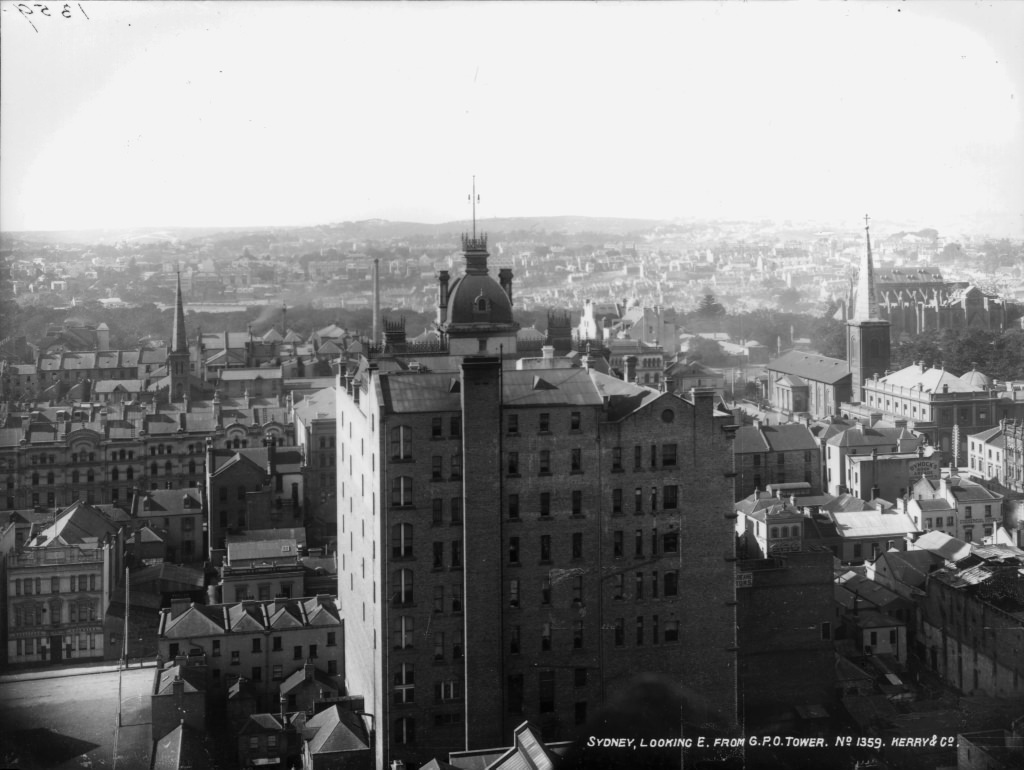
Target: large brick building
{"type": "Point", "coordinates": [519, 543]}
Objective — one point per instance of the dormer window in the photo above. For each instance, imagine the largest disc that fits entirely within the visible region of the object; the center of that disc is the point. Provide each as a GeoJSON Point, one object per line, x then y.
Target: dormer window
{"type": "Point", "coordinates": [481, 305]}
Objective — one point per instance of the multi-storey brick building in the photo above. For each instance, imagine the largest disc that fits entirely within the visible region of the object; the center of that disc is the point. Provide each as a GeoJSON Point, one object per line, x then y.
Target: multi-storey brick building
{"type": "Point", "coordinates": [59, 586]}
{"type": "Point", "coordinates": [775, 454]}
{"type": "Point", "coordinates": [519, 543]}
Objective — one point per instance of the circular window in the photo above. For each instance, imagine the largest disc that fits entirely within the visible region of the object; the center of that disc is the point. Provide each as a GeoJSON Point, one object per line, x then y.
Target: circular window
{"type": "Point", "coordinates": [668, 416]}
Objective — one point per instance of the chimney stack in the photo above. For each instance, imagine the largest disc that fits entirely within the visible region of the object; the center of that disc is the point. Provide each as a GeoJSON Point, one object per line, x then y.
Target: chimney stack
{"type": "Point", "coordinates": [629, 368]}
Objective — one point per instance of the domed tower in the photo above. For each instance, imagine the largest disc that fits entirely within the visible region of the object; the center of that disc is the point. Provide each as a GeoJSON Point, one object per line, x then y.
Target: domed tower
{"type": "Point", "coordinates": [867, 335]}
{"type": "Point", "coordinates": [474, 312]}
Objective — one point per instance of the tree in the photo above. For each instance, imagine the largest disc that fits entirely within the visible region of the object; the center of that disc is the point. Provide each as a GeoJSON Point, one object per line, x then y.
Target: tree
{"type": "Point", "coordinates": [829, 334]}
{"type": "Point", "coordinates": [709, 307]}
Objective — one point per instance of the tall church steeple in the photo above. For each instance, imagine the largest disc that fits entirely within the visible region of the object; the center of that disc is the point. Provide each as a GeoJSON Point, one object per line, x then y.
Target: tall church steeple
{"type": "Point", "coordinates": [179, 342]}
{"type": "Point", "coordinates": [178, 355]}
{"type": "Point", "coordinates": [867, 335]}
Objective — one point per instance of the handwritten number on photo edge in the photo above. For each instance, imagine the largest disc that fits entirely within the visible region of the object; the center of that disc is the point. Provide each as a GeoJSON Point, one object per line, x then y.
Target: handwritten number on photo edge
{"type": "Point", "coordinates": [66, 13]}
{"type": "Point", "coordinates": [26, 12]}
{"type": "Point", "coordinates": [44, 10]}
{"type": "Point", "coordinates": [83, 10]}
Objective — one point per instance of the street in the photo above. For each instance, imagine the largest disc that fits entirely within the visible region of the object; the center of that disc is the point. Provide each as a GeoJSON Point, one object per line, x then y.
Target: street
{"type": "Point", "coordinates": [71, 721]}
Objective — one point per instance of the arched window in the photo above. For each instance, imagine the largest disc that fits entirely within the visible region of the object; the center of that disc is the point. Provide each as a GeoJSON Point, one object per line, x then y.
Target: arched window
{"type": "Point", "coordinates": [90, 475]}
{"type": "Point", "coordinates": [401, 541]}
{"type": "Point", "coordinates": [481, 304]}
{"type": "Point", "coordinates": [168, 468]}
{"type": "Point", "coordinates": [75, 476]}
{"type": "Point", "coordinates": [796, 530]}
{"type": "Point", "coordinates": [785, 531]}
{"type": "Point", "coordinates": [191, 467]}
{"type": "Point", "coordinates": [130, 473]}
{"type": "Point", "coordinates": [401, 442]}
{"type": "Point", "coordinates": [402, 589]}
{"type": "Point", "coordinates": [775, 532]}
{"type": "Point", "coordinates": [237, 443]}
{"type": "Point", "coordinates": [115, 474]}
{"type": "Point", "coordinates": [153, 469]}
{"type": "Point", "coordinates": [401, 491]}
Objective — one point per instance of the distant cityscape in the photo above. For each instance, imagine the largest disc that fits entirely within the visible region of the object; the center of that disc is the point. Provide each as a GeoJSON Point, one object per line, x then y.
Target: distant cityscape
{"type": "Point", "coordinates": [507, 493]}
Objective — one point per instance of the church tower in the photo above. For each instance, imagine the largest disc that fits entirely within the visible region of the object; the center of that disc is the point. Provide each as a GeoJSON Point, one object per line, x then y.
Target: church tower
{"type": "Point", "coordinates": [178, 355]}
{"type": "Point", "coordinates": [867, 335]}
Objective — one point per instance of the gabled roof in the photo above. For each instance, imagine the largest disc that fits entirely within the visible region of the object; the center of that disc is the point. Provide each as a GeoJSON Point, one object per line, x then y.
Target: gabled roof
{"type": "Point", "coordinates": [197, 620]}
{"type": "Point", "coordinates": [336, 730]}
{"type": "Point", "coordinates": [872, 523]}
{"type": "Point", "coordinates": [79, 524]}
{"type": "Point", "coordinates": [180, 749]}
{"type": "Point", "coordinates": [810, 366]}
{"type": "Point", "coordinates": [317, 679]}
{"type": "Point", "coordinates": [946, 546]}
{"type": "Point", "coordinates": [929, 380]}
{"type": "Point", "coordinates": [193, 679]}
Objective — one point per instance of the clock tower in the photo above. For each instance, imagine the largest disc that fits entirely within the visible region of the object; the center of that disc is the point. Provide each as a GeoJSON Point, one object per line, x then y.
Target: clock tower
{"type": "Point", "coordinates": [867, 335]}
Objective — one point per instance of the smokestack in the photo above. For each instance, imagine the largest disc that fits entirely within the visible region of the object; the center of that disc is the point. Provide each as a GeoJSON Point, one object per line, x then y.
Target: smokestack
{"type": "Point", "coordinates": [376, 300]}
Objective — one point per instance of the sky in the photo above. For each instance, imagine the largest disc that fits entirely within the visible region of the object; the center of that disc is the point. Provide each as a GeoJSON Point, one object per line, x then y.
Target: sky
{"type": "Point", "coordinates": [165, 114]}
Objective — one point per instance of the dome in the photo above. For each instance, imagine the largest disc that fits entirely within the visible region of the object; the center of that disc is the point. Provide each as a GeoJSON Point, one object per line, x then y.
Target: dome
{"type": "Point", "coordinates": [478, 299]}
{"type": "Point", "coordinates": [976, 379]}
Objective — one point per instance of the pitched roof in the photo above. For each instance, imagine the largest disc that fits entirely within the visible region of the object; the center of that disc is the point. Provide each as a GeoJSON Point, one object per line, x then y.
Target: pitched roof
{"type": "Point", "coordinates": [810, 366]}
{"type": "Point", "coordinates": [336, 730]}
{"type": "Point", "coordinates": [931, 380]}
{"type": "Point", "coordinates": [872, 523]}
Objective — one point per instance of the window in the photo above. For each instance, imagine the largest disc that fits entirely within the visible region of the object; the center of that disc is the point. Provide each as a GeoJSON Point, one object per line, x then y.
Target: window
{"type": "Point", "coordinates": [438, 555]}
{"type": "Point", "coordinates": [826, 631]}
{"type": "Point", "coordinates": [401, 541]}
{"type": "Point", "coordinates": [457, 598]}
{"type": "Point", "coordinates": [236, 657]}
{"type": "Point", "coordinates": [456, 508]}
{"type": "Point", "coordinates": [668, 455]}
{"type": "Point", "coordinates": [513, 593]}
{"type": "Point", "coordinates": [455, 472]}
{"type": "Point", "coordinates": [671, 583]}
{"type": "Point", "coordinates": [671, 630]}
{"type": "Point", "coordinates": [297, 652]}
{"type": "Point", "coordinates": [257, 645]}
{"type": "Point", "coordinates": [435, 427]}
{"type": "Point", "coordinates": [577, 635]}
{"type": "Point", "coordinates": [640, 631]}
{"type": "Point", "coordinates": [654, 584]}
{"type": "Point", "coordinates": [401, 442]}
{"type": "Point", "coordinates": [455, 426]}
{"type": "Point", "coordinates": [437, 511]}
{"type": "Point", "coordinates": [671, 493]}
{"type": "Point", "coordinates": [638, 501]}
{"type": "Point", "coordinates": [545, 422]}
{"type": "Point", "coordinates": [401, 491]}
{"type": "Point", "coordinates": [514, 646]}
{"type": "Point", "coordinates": [545, 591]}
{"type": "Point", "coordinates": [438, 598]}
{"type": "Point", "coordinates": [332, 639]}
{"type": "Point", "coordinates": [545, 547]}
{"type": "Point", "coordinates": [405, 730]}
{"type": "Point", "coordinates": [577, 545]}
{"type": "Point", "coordinates": [513, 424]}
{"type": "Point", "coordinates": [638, 543]}
{"type": "Point", "coordinates": [545, 503]}
{"type": "Point", "coordinates": [616, 501]}
{"type": "Point", "coordinates": [655, 629]}
{"type": "Point", "coordinates": [513, 506]}
{"type": "Point", "coordinates": [671, 542]}
{"type": "Point", "coordinates": [617, 544]}
{"type": "Point", "coordinates": [620, 632]}
{"type": "Point", "coordinates": [544, 463]}
{"type": "Point", "coordinates": [439, 645]}
{"type": "Point", "coordinates": [577, 590]}
{"type": "Point", "coordinates": [257, 674]}
{"type": "Point", "coordinates": [968, 511]}
{"type": "Point", "coordinates": [546, 691]}
{"type": "Point", "coordinates": [403, 634]}
{"type": "Point", "coordinates": [513, 550]}
{"type": "Point", "coordinates": [456, 554]}
{"type": "Point", "coordinates": [617, 458]}
{"type": "Point", "coordinates": [574, 421]}
{"type": "Point", "coordinates": [275, 644]}
{"type": "Point", "coordinates": [313, 651]}
{"type": "Point", "coordinates": [54, 585]}
{"type": "Point", "coordinates": [402, 589]}
{"type": "Point", "coordinates": [435, 467]}
{"type": "Point", "coordinates": [545, 637]}
{"type": "Point", "coordinates": [619, 586]}
{"type": "Point", "coordinates": [405, 684]}
{"type": "Point", "coordinates": [576, 461]}
{"type": "Point", "coordinates": [513, 463]}
{"type": "Point", "coordinates": [654, 455]}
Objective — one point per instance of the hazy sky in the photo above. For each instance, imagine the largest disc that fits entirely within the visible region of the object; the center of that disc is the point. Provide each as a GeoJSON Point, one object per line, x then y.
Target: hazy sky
{"type": "Point", "coordinates": [262, 113]}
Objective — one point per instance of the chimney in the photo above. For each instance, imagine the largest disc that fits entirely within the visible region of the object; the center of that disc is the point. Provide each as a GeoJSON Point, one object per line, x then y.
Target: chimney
{"type": "Point", "coordinates": [307, 670]}
{"type": "Point", "coordinates": [629, 368]}
{"type": "Point", "coordinates": [670, 385]}
{"type": "Point", "coordinates": [271, 455]}
{"type": "Point", "coordinates": [178, 606]}
{"type": "Point", "coordinates": [547, 352]}
{"type": "Point", "coordinates": [505, 280]}
{"type": "Point", "coordinates": [284, 702]}
{"type": "Point", "coordinates": [442, 296]}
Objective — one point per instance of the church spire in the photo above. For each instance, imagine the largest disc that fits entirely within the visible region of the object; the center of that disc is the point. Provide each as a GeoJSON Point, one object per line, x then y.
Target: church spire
{"type": "Point", "coordinates": [867, 305]}
{"type": "Point", "coordinates": [179, 342]}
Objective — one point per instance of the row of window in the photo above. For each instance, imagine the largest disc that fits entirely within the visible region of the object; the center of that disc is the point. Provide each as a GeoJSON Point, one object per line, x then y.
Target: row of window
{"type": "Point", "coordinates": [669, 501]}
{"type": "Point", "coordinates": [40, 646]}
{"type": "Point", "coordinates": [36, 614]}
{"type": "Point", "coordinates": [74, 583]}
{"type": "Point", "coordinates": [404, 687]}
{"type": "Point", "coordinates": [668, 582]}
{"type": "Point", "coordinates": [780, 458]}
{"type": "Point", "coordinates": [668, 541]}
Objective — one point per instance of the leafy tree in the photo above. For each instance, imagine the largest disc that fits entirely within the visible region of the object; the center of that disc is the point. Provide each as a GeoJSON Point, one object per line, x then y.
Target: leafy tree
{"type": "Point", "coordinates": [706, 351]}
{"type": "Point", "coordinates": [709, 307]}
{"type": "Point", "coordinates": [829, 334]}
